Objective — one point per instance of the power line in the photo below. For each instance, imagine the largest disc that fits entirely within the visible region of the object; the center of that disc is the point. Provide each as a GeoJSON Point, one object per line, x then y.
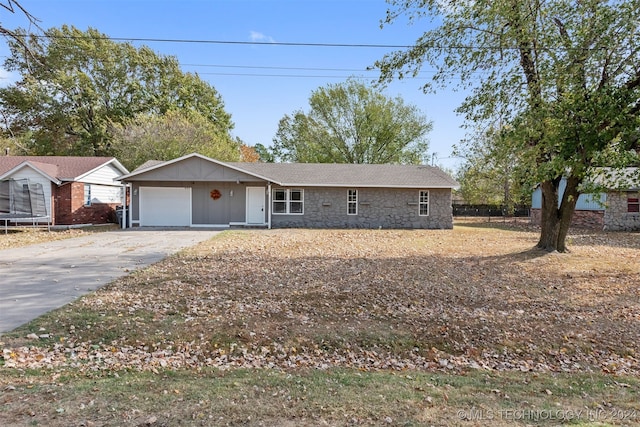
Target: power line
{"type": "Point", "coordinates": [306, 44]}
{"type": "Point", "coordinates": [258, 67]}
{"type": "Point", "coordinates": [229, 42]}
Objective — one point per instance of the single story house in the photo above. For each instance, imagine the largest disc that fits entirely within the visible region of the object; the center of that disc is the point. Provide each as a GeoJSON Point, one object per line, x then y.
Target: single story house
{"type": "Point", "coordinates": [615, 208]}
{"type": "Point", "coordinates": [197, 191]}
{"type": "Point", "coordinates": [77, 190]}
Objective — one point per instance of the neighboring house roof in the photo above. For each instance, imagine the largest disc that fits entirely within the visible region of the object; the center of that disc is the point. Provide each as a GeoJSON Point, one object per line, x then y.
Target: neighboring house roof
{"type": "Point", "coordinates": [57, 168]}
{"type": "Point", "coordinates": [328, 174]}
{"type": "Point", "coordinates": [618, 179]}
{"type": "Point", "coordinates": [148, 164]}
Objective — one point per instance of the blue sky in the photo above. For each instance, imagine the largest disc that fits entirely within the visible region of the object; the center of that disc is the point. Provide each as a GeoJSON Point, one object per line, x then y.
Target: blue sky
{"type": "Point", "coordinates": [259, 84]}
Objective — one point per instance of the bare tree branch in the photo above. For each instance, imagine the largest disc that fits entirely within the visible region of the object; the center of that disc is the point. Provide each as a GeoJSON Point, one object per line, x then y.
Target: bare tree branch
{"type": "Point", "coordinates": [13, 6]}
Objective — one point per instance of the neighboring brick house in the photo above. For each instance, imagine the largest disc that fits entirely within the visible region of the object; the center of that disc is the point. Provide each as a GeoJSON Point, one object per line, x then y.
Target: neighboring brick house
{"type": "Point", "coordinates": [77, 190]}
{"type": "Point", "coordinates": [616, 208]}
{"type": "Point", "coordinates": [197, 191]}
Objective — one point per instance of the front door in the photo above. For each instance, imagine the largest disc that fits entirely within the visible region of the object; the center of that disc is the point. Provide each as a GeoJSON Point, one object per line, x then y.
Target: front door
{"type": "Point", "coordinates": [255, 205]}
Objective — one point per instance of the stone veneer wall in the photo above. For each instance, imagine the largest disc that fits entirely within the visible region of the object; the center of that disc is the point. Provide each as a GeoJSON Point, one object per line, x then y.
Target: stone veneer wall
{"type": "Point", "coordinates": [581, 219]}
{"type": "Point", "coordinates": [616, 217]}
{"type": "Point", "coordinates": [377, 207]}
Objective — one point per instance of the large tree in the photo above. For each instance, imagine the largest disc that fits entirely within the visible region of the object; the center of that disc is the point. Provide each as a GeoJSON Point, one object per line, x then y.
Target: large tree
{"type": "Point", "coordinates": [168, 136]}
{"type": "Point", "coordinates": [75, 85]}
{"type": "Point", "coordinates": [563, 73]}
{"type": "Point", "coordinates": [351, 122]}
{"type": "Point", "coordinates": [490, 173]}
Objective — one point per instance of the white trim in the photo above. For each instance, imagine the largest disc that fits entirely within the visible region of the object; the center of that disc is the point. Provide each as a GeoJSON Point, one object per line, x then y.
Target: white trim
{"type": "Point", "coordinates": [246, 212]}
{"type": "Point", "coordinates": [354, 202]}
{"type": "Point", "coordinates": [116, 163]}
{"type": "Point", "coordinates": [333, 185]}
{"type": "Point", "coordinates": [287, 201]}
{"type": "Point", "coordinates": [27, 163]}
{"type": "Point", "coordinates": [420, 203]}
{"type": "Point", "coordinates": [269, 205]}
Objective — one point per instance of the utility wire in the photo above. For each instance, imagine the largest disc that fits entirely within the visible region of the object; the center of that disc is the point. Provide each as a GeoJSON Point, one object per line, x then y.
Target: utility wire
{"type": "Point", "coordinates": [308, 44]}
{"type": "Point", "coordinates": [230, 42]}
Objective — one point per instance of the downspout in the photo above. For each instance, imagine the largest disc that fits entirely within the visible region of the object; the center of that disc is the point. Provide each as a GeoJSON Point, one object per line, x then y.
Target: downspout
{"type": "Point", "coordinates": [124, 206]}
{"type": "Point", "coordinates": [269, 206]}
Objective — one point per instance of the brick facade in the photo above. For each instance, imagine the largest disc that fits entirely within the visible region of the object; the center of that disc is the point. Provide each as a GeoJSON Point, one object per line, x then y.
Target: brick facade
{"type": "Point", "coordinates": [69, 208]}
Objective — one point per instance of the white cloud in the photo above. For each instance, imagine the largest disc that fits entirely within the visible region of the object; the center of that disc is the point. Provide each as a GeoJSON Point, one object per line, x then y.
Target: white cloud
{"type": "Point", "coordinates": [255, 36]}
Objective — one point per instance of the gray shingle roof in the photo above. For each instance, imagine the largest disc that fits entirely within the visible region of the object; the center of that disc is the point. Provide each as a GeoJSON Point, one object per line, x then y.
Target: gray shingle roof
{"type": "Point", "coordinates": [326, 174]}
{"type": "Point", "coordinates": [349, 175]}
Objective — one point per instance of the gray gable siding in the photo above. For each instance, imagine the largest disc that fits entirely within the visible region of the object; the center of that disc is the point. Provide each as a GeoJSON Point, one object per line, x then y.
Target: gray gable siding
{"type": "Point", "coordinates": [193, 169]}
{"type": "Point", "coordinates": [231, 207]}
{"type": "Point", "coordinates": [377, 208]}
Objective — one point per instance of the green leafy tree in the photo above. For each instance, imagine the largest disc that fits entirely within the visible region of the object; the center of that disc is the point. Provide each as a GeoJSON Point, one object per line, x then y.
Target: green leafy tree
{"type": "Point", "coordinates": [490, 172]}
{"type": "Point", "coordinates": [264, 153]}
{"type": "Point", "coordinates": [563, 74]}
{"type": "Point", "coordinates": [75, 85]}
{"type": "Point", "coordinates": [168, 136]}
{"type": "Point", "coordinates": [352, 123]}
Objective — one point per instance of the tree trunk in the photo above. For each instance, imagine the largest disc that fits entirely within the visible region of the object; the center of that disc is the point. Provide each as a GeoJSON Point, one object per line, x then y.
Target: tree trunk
{"type": "Point", "coordinates": [555, 220]}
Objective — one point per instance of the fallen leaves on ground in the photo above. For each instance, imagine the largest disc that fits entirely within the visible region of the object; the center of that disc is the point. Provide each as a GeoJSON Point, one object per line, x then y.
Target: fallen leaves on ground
{"type": "Point", "coordinates": [447, 300]}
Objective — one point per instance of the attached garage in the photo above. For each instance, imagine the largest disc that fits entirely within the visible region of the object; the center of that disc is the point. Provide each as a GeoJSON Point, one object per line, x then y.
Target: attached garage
{"type": "Point", "coordinates": [165, 206]}
{"type": "Point", "coordinates": [198, 191]}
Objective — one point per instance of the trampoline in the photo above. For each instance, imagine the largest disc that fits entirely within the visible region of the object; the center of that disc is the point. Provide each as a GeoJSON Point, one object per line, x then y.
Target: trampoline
{"type": "Point", "coordinates": [22, 201]}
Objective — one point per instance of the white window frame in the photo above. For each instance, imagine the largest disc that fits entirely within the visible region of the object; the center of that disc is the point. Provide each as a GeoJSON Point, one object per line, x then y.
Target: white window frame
{"type": "Point", "coordinates": [287, 201]}
{"type": "Point", "coordinates": [87, 195]}
{"type": "Point", "coordinates": [352, 201]}
{"type": "Point", "coordinates": [422, 202]}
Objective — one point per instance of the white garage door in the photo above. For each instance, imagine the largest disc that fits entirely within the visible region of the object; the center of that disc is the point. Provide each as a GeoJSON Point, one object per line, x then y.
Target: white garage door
{"type": "Point", "coordinates": [163, 206]}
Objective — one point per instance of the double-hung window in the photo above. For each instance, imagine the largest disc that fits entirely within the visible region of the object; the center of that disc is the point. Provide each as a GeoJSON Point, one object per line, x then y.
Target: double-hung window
{"type": "Point", "coordinates": [352, 202]}
{"type": "Point", "coordinates": [423, 203]}
{"type": "Point", "coordinates": [288, 201]}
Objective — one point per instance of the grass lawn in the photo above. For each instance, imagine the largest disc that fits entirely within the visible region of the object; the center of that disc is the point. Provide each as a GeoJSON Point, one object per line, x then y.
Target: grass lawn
{"type": "Point", "coordinates": [465, 327]}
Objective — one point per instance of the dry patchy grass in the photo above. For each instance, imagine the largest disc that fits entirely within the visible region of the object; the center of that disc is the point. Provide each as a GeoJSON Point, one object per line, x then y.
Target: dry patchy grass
{"type": "Point", "coordinates": [475, 307]}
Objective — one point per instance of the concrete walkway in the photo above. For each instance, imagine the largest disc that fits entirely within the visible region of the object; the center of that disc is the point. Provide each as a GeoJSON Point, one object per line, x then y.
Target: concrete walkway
{"type": "Point", "coordinates": [39, 278]}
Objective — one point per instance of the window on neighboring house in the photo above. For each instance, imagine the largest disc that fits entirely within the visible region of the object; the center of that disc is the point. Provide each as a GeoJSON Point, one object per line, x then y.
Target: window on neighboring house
{"type": "Point", "coordinates": [633, 204]}
{"type": "Point", "coordinates": [352, 202]}
{"type": "Point", "coordinates": [87, 194]}
{"type": "Point", "coordinates": [288, 201]}
{"type": "Point", "coordinates": [423, 203]}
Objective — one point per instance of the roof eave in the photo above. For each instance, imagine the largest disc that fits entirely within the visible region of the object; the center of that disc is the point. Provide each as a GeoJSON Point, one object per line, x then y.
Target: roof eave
{"type": "Point", "coordinates": [352, 185]}
{"type": "Point", "coordinates": [30, 165]}
{"type": "Point", "coordinates": [113, 161]}
{"type": "Point", "coordinates": [200, 156]}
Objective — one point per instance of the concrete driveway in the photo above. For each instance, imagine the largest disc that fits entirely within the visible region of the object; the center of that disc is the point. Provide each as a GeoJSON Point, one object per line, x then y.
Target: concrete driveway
{"type": "Point", "coordinates": [39, 278]}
